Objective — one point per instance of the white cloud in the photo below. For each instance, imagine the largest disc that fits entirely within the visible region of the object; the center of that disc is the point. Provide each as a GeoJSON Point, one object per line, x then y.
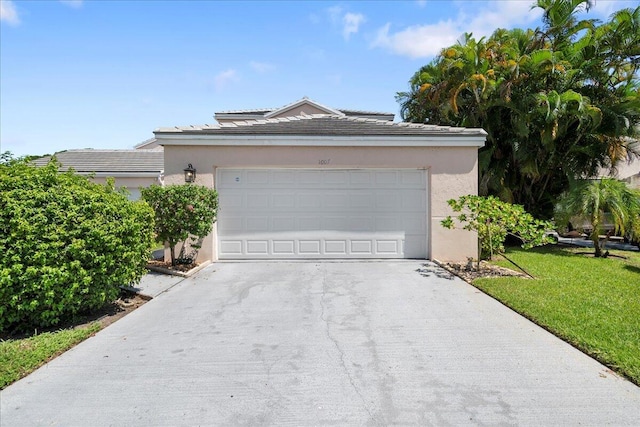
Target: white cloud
{"type": "Point", "coordinates": [73, 3]}
{"type": "Point", "coordinates": [224, 78]}
{"type": "Point", "coordinates": [421, 3]}
{"type": "Point", "coordinates": [605, 8]}
{"type": "Point", "coordinates": [351, 23]}
{"type": "Point", "coordinates": [501, 14]}
{"type": "Point", "coordinates": [348, 21]}
{"type": "Point", "coordinates": [8, 12]}
{"type": "Point", "coordinates": [427, 40]}
{"type": "Point", "coordinates": [262, 67]}
{"type": "Point", "coordinates": [334, 14]}
{"type": "Point", "coordinates": [417, 41]}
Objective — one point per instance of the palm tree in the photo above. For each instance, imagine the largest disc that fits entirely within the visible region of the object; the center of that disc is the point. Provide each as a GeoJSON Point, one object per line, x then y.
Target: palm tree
{"type": "Point", "coordinates": [557, 102]}
{"type": "Point", "coordinates": [589, 201]}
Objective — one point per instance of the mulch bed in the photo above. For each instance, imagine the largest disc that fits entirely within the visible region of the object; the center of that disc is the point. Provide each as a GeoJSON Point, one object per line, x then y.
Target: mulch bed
{"type": "Point", "coordinates": [167, 265]}
{"type": "Point", "coordinates": [470, 272]}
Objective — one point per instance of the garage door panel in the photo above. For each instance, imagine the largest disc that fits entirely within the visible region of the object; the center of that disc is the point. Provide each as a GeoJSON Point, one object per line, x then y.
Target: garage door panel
{"type": "Point", "coordinates": [387, 201]}
{"type": "Point", "coordinates": [362, 200]}
{"type": "Point", "coordinates": [335, 247]}
{"type": "Point", "coordinates": [309, 224]}
{"type": "Point", "coordinates": [337, 178]}
{"type": "Point", "coordinates": [283, 201]}
{"type": "Point", "coordinates": [363, 247]}
{"type": "Point", "coordinates": [302, 213]}
{"type": "Point", "coordinates": [231, 247]}
{"type": "Point", "coordinates": [361, 177]}
{"type": "Point", "coordinates": [287, 177]}
{"type": "Point", "coordinates": [387, 246]}
{"type": "Point", "coordinates": [255, 201]}
{"type": "Point", "coordinates": [413, 226]}
{"type": "Point", "coordinates": [309, 247]}
{"type": "Point", "coordinates": [415, 179]}
{"type": "Point", "coordinates": [284, 247]}
{"type": "Point", "coordinates": [283, 223]}
{"type": "Point", "coordinates": [335, 223]}
{"type": "Point", "coordinates": [413, 200]}
{"type": "Point", "coordinates": [308, 201]}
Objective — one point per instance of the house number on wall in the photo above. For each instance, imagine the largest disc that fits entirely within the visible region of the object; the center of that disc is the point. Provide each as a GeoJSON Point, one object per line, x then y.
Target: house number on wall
{"type": "Point", "coordinates": [324, 161]}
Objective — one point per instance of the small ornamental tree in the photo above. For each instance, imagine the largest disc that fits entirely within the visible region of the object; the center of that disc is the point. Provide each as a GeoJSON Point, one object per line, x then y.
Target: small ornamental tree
{"type": "Point", "coordinates": [66, 244]}
{"type": "Point", "coordinates": [493, 220]}
{"type": "Point", "coordinates": [182, 212]}
{"type": "Point", "coordinates": [590, 200]}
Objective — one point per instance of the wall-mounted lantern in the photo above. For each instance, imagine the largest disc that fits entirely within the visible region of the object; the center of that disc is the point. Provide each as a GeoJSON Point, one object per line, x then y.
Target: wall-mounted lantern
{"type": "Point", "coordinates": [190, 173]}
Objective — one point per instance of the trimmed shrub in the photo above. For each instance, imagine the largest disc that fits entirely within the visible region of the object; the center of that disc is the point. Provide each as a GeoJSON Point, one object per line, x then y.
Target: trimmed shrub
{"type": "Point", "coordinates": [493, 220]}
{"type": "Point", "coordinates": [183, 213]}
{"type": "Point", "coordinates": [66, 244]}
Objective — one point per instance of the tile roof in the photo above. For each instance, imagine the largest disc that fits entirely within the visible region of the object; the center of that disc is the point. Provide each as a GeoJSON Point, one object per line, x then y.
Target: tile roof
{"type": "Point", "coordinates": [109, 161]}
{"type": "Point", "coordinates": [320, 125]}
{"type": "Point", "coordinates": [267, 112]}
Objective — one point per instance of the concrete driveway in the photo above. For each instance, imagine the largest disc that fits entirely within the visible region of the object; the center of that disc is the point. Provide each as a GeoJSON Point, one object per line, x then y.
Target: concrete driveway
{"type": "Point", "coordinates": [321, 343]}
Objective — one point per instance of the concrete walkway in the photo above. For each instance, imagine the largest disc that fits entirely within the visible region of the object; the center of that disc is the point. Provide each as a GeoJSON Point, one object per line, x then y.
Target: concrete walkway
{"type": "Point", "coordinates": [321, 343]}
{"type": "Point", "coordinates": [153, 284]}
{"type": "Point", "coordinates": [582, 242]}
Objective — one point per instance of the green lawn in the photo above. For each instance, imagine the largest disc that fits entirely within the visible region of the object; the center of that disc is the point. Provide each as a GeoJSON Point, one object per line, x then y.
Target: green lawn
{"type": "Point", "coordinates": [593, 303]}
{"type": "Point", "coordinates": [20, 357]}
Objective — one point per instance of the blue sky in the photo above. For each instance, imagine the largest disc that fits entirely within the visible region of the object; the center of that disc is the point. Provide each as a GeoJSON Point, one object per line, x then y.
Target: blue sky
{"type": "Point", "coordinates": [105, 74]}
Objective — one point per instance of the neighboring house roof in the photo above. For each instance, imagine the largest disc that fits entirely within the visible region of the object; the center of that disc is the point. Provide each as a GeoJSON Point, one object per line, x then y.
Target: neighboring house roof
{"type": "Point", "coordinates": [110, 162]}
{"type": "Point", "coordinates": [149, 144]}
{"type": "Point", "coordinates": [315, 107]}
{"type": "Point", "coordinates": [628, 171]}
{"type": "Point", "coordinates": [321, 125]}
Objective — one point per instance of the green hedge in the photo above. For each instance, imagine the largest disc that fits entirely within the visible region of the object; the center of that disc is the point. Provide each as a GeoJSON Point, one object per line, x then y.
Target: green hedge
{"type": "Point", "coordinates": [66, 244]}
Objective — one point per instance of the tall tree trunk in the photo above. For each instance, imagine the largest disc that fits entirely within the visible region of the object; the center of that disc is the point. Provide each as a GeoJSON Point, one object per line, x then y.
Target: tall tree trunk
{"type": "Point", "coordinates": [595, 238]}
{"type": "Point", "coordinates": [173, 254]}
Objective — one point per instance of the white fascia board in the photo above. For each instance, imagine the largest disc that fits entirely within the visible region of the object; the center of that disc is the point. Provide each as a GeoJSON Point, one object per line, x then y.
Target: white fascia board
{"type": "Point", "coordinates": [445, 140]}
{"type": "Point", "coordinates": [231, 116]}
{"type": "Point", "coordinates": [122, 174]}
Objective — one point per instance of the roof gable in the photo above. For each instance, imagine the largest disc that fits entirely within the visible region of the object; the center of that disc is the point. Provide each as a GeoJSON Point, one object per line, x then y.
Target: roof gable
{"type": "Point", "coordinates": [301, 107]}
{"type": "Point", "coordinates": [297, 108]}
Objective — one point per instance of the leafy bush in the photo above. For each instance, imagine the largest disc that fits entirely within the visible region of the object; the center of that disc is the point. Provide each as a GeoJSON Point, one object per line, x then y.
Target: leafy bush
{"type": "Point", "coordinates": [66, 244]}
{"type": "Point", "coordinates": [493, 219]}
{"type": "Point", "coordinates": [182, 212]}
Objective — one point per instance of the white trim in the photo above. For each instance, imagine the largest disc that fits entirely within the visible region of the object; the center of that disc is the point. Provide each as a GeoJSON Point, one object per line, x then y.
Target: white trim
{"type": "Point", "coordinates": [300, 102]}
{"type": "Point", "coordinates": [121, 174]}
{"type": "Point", "coordinates": [232, 116]}
{"type": "Point", "coordinates": [141, 145]}
{"type": "Point", "coordinates": [442, 140]}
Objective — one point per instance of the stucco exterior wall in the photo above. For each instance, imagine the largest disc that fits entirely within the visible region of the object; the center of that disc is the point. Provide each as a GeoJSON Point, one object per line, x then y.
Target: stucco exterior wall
{"type": "Point", "coordinates": [452, 172]}
{"type": "Point", "coordinates": [133, 184]}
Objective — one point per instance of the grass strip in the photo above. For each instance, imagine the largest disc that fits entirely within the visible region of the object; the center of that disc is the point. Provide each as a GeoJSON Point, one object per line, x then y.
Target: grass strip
{"type": "Point", "coordinates": [592, 303]}
{"type": "Point", "coordinates": [20, 357]}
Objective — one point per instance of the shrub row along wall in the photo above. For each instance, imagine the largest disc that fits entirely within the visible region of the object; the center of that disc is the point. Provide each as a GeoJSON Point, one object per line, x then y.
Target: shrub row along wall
{"type": "Point", "coordinates": [66, 244]}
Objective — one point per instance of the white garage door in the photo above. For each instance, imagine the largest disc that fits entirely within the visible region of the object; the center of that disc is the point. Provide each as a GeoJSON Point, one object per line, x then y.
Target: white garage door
{"type": "Point", "coordinates": [320, 213]}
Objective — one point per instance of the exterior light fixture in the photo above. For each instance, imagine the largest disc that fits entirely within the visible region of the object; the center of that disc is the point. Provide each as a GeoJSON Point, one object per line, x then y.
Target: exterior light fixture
{"type": "Point", "coordinates": [189, 173]}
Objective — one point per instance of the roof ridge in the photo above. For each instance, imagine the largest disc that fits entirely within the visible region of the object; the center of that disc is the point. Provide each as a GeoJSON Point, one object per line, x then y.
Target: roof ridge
{"type": "Point", "coordinates": [317, 116]}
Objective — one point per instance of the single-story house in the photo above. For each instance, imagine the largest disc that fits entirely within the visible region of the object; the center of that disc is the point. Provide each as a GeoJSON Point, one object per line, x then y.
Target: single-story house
{"type": "Point", "coordinates": [628, 172]}
{"type": "Point", "coordinates": [310, 181]}
{"type": "Point", "coordinates": [133, 169]}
